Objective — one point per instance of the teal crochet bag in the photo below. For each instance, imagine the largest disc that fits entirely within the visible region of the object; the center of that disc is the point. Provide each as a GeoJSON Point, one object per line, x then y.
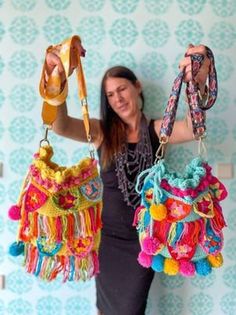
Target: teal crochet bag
{"type": "Point", "coordinates": [180, 219]}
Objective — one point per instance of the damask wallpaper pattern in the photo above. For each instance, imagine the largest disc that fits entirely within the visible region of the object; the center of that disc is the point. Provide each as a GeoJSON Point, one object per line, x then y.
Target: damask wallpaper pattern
{"type": "Point", "coordinates": [149, 36]}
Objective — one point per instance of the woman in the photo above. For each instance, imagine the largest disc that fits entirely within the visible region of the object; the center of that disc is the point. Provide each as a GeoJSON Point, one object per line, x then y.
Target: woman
{"type": "Point", "coordinates": [126, 143]}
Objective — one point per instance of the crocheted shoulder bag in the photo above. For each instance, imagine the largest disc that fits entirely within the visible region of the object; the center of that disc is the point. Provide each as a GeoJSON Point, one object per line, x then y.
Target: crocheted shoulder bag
{"type": "Point", "coordinates": [180, 219]}
{"type": "Point", "coordinates": [59, 208]}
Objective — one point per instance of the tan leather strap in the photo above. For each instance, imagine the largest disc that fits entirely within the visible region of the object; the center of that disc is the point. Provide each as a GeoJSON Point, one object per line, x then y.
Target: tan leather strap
{"type": "Point", "coordinates": [54, 92]}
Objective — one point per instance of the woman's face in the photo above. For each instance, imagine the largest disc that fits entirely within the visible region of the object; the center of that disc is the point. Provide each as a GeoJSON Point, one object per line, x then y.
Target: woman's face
{"type": "Point", "coordinates": [123, 96]}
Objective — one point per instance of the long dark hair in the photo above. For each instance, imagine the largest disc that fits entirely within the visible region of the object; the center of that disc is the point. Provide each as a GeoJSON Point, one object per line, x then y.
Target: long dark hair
{"type": "Point", "coordinates": [114, 133]}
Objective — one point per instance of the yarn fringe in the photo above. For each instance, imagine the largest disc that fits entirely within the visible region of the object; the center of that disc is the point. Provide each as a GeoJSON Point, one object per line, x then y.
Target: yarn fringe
{"type": "Point", "coordinates": [71, 267]}
{"type": "Point", "coordinates": [60, 228]}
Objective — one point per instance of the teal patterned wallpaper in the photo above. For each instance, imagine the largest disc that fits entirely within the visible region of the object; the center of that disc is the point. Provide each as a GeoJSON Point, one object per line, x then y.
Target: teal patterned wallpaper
{"type": "Point", "coordinates": [149, 36]}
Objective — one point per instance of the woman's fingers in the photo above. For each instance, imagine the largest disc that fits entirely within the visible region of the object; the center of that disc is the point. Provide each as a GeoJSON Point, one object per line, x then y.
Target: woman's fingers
{"type": "Point", "coordinates": [52, 60]}
{"type": "Point", "coordinates": [200, 49]}
{"type": "Point", "coordinates": [185, 64]}
{"type": "Point", "coordinates": [203, 72]}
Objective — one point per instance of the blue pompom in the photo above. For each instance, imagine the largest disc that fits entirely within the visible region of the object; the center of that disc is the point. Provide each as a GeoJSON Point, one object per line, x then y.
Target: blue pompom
{"type": "Point", "coordinates": [16, 248]}
{"type": "Point", "coordinates": [158, 263]}
{"type": "Point", "coordinates": [203, 267]}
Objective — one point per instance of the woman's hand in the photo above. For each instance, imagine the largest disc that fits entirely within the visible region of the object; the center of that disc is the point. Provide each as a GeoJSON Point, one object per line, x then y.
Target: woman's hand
{"type": "Point", "coordinates": [185, 63]}
{"type": "Point", "coordinates": [53, 60]}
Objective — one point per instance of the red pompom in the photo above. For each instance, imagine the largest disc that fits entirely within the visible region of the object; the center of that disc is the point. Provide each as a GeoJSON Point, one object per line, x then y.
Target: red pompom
{"type": "Point", "coordinates": [14, 213]}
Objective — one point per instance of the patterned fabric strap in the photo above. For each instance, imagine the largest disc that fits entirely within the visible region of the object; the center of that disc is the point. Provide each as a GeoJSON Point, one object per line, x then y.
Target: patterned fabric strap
{"type": "Point", "coordinates": [55, 92]}
{"type": "Point", "coordinates": [196, 104]}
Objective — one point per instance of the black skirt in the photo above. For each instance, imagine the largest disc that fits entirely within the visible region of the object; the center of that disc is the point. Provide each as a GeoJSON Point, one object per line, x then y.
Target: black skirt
{"type": "Point", "coordinates": [122, 284]}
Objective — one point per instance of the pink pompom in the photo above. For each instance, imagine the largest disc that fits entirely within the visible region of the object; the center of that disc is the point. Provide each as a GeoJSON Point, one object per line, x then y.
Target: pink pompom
{"type": "Point", "coordinates": [14, 213]}
{"type": "Point", "coordinates": [187, 268]}
{"type": "Point", "coordinates": [145, 260]}
{"type": "Point", "coordinates": [150, 245]}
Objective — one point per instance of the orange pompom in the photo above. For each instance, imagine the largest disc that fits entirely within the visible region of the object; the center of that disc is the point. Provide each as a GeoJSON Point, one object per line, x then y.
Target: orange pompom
{"type": "Point", "coordinates": [158, 212]}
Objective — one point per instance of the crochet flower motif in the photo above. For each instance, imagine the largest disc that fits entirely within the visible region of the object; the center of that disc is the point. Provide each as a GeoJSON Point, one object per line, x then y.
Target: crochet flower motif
{"type": "Point", "coordinates": [177, 210]}
{"type": "Point", "coordinates": [204, 207]}
{"type": "Point", "coordinates": [66, 201]}
{"type": "Point", "coordinates": [92, 189]}
{"type": "Point", "coordinates": [81, 246]}
{"type": "Point", "coordinates": [182, 251]}
{"type": "Point", "coordinates": [212, 243]}
{"type": "Point", "coordinates": [34, 198]}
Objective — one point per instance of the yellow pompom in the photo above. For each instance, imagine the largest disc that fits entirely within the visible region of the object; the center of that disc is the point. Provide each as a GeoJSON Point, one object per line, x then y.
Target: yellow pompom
{"type": "Point", "coordinates": [158, 212]}
{"type": "Point", "coordinates": [171, 267]}
{"type": "Point", "coordinates": [216, 261]}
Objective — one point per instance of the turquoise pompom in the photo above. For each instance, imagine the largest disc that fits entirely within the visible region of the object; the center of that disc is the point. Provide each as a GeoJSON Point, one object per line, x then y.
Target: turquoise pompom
{"type": "Point", "coordinates": [158, 263]}
{"type": "Point", "coordinates": [16, 248]}
{"type": "Point", "coordinates": [203, 267]}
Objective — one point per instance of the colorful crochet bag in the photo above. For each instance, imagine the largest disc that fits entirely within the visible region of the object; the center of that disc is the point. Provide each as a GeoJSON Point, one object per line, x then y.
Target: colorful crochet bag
{"type": "Point", "coordinates": [59, 208]}
{"type": "Point", "coordinates": [180, 219]}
